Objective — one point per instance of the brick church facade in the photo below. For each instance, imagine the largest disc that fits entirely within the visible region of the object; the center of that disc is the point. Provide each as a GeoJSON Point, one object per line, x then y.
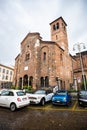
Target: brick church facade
{"type": "Point", "coordinates": [45, 63]}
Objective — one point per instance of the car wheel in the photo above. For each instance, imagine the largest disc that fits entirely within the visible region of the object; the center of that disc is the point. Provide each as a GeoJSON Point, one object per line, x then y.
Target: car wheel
{"type": "Point", "coordinates": [13, 107]}
{"type": "Point", "coordinates": [43, 102]}
{"type": "Point", "coordinates": [69, 103]}
{"type": "Point", "coordinates": [80, 104]}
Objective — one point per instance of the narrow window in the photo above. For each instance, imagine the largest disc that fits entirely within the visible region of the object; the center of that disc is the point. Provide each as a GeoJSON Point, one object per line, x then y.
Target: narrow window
{"type": "Point", "coordinates": [27, 57]}
{"type": "Point", "coordinates": [44, 56]}
{"type": "Point", "coordinates": [57, 26]}
{"type": "Point", "coordinates": [61, 58]}
{"type": "Point", "coordinates": [64, 28]}
{"type": "Point", "coordinates": [7, 72]}
{"type": "Point", "coordinates": [6, 77]}
{"type": "Point", "coordinates": [3, 70]}
{"type": "Point", "coordinates": [54, 27]}
{"type": "Point", "coordinates": [10, 72]}
{"type": "Point", "coordinates": [56, 37]}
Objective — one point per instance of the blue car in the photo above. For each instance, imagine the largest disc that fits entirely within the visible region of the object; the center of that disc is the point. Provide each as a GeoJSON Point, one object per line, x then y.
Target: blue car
{"type": "Point", "coordinates": [61, 97]}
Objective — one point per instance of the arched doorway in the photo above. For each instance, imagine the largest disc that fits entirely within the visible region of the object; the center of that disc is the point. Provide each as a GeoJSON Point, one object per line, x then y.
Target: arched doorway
{"type": "Point", "coordinates": [46, 81]}
{"type": "Point", "coordinates": [20, 82]}
{"type": "Point", "coordinates": [31, 81]}
{"type": "Point", "coordinates": [42, 81]}
{"type": "Point", "coordinates": [25, 83]}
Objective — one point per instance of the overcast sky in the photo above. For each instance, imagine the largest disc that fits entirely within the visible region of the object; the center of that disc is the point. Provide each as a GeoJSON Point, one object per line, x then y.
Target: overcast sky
{"type": "Point", "coordinates": [19, 17]}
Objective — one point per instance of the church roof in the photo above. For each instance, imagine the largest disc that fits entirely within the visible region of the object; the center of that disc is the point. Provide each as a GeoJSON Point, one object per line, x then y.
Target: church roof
{"type": "Point", "coordinates": [58, 19]}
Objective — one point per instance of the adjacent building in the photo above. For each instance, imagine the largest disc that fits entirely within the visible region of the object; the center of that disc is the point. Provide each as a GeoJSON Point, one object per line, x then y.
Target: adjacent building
{"type": "Point", "coordinates": [80, 71]}
{"type": "Point", "coordinates": [45, 63]}
{"type": "Point", "coordinates": [6, 76]}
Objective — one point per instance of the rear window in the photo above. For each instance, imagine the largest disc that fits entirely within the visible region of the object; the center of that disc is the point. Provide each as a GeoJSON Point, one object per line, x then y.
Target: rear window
{"type": "Point", "coordinates": [20, 93]}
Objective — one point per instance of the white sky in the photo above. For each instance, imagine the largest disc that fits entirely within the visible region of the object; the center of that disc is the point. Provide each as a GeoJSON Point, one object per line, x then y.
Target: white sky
{"type": "Point", "coordinates": [19, 17]}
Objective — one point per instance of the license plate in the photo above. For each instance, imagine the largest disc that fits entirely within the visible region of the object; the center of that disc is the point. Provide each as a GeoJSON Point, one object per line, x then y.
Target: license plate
{"type": "Point", "coordinates": [24, 99]}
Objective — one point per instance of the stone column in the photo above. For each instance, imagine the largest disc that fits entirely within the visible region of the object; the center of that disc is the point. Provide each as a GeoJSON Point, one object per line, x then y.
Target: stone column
{"type": "Point", "coordinates": [22, 82]}
{"type": "Point", "coordinates": [59, 86]}
{"type": "Point", "coordinates": [28, 81]}
{"type": "Point", "coordinates": [75, 84]}
{"type": "Point", "coordinates": [44, 81]}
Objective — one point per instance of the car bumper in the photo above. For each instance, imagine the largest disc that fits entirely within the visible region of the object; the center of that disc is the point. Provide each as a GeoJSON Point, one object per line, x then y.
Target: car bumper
{"type": "Point", "coordinates": [19, 105]}
{"type": "Point", "coordinates": [34, 101]}
{"type": "Point", "coordinates": [82, 102]}
{"type": "Point", "coordinates": [59, 103]}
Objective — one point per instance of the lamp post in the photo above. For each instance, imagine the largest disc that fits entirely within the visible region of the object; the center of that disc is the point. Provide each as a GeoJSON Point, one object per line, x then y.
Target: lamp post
{"type": "Point", "coordinates": [79, 47]}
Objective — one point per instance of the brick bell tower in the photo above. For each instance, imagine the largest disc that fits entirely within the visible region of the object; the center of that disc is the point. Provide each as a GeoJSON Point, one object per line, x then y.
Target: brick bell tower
{"type": "Point", "coordinates": [59, 33]}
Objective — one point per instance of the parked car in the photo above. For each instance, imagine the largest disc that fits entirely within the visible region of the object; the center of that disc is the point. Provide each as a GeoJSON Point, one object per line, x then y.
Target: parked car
{"type": "Point", "coordinates": [40, 96]}
{"type": "Point", "coordinates": [13, 99]}
{"type": "Point", "coordinates": [61, 97]}
{"type": "Point", "coordinates": [82, 97]}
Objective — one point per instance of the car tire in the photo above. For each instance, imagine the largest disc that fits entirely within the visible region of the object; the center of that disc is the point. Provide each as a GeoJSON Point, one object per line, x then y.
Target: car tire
{"type": "Point", "coordinates": [69, 103]}
{"type": "Point", "coordinates": [80, 104]}
{"type": "Point", "coordinates": [42, 101]}
{"type": "Point", "coordinates": [12, 107]}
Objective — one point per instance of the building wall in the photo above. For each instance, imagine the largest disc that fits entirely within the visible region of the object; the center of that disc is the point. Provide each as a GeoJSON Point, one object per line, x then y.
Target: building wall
{"type": "Point", "coordinates": [6, 75]}
{"type": "Point", "coordinates": [78, 69]}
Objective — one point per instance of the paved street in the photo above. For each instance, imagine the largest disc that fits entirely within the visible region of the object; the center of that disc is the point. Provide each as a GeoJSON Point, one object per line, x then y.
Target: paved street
{"type": "Point", "coordinates": [48, 117]}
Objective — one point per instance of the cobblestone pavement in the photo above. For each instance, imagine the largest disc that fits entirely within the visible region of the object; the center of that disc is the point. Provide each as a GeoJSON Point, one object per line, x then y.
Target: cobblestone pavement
{"type": "Point", "coordinates": [48, 117]}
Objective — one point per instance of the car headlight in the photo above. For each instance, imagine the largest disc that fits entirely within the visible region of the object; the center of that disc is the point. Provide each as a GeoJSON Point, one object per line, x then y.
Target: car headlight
{"type": "Point", "coordinates": [64, 99]}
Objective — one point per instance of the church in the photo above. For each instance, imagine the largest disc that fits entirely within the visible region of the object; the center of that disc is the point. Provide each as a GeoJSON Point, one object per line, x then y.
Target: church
{"type": "Point", "coordinates": [45, 63]}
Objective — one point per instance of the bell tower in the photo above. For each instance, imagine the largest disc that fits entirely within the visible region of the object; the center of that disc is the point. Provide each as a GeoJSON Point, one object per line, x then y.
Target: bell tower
{"type": "Point", "coordinates": [59, 33]}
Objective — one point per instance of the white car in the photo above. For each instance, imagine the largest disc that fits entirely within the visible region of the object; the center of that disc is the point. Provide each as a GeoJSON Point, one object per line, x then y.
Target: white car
{"type": "Point", "coordinates": [40, 96]}
{"type": "Point", "coordinates": [13, 99]}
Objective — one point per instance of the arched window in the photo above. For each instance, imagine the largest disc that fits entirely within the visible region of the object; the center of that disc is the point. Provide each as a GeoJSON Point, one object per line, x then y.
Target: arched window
{"type": "Point", "coordinates": [54, 27]}
{"type": "Point", "coordinates": [31, 81]}
{"type": "Point", "coordinates": [57, 26]}
{"type": "Point", "coordinates": [25, 82]}
{"type": "Point", "coordinates": [42, 81]}
{"type": "Point", "coordinates": [46, 81]}
{"type": "Point", "coordinates": [27, 57]}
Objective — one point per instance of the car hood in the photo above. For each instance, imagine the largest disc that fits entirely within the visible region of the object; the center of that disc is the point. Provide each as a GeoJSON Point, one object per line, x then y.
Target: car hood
{"type": "Point", "coordinates": [36, 95]}
{"type": "Point", "coordinates": [59, 96]}
{"type": "Point", "coordinates": [83, 96]}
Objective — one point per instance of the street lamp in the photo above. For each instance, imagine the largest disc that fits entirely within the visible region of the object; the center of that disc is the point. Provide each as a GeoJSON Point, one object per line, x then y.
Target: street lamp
{"type": "Point", "coordinates": [79, 47]}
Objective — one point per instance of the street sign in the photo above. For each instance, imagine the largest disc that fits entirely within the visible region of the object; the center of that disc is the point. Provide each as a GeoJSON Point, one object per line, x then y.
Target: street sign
{"type": "Point", "coordinates": [79, 80]}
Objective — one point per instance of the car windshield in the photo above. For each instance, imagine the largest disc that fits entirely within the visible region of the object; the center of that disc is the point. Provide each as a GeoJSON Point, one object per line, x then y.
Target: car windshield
{"type": "Point", "coordinates": [61, 92]}
{"type": "Point", "coordinates": [40, 92]}
{"type": "Point", "coordinates": [20, 93]}
{"type": "Point", "coordinates": [83, 92]}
